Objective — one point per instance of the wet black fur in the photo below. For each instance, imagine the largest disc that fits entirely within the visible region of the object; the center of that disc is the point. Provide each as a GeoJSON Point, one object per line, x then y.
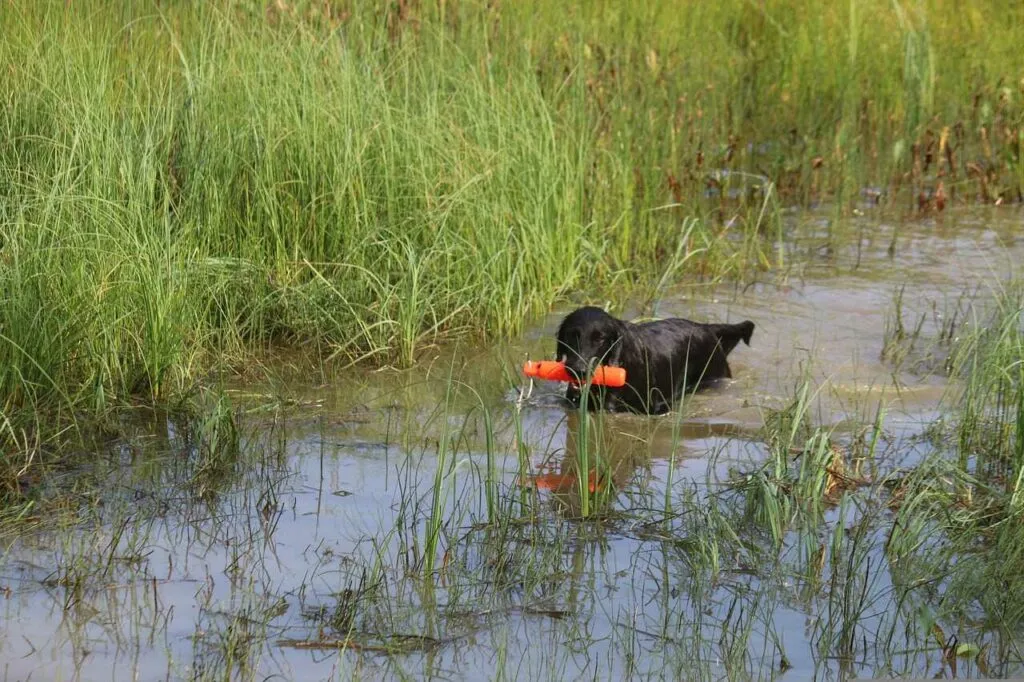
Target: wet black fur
{"type": "Point", "coordinates": [661, 359]}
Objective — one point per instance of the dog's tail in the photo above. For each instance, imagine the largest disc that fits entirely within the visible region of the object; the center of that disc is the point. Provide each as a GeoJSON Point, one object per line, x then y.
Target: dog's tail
{"type": "Point", "coordinates": [729, 335]}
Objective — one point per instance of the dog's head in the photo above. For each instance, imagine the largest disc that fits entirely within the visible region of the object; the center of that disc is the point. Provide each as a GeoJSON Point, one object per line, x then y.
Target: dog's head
{"type": "Point", "coordinates": [587, 337]}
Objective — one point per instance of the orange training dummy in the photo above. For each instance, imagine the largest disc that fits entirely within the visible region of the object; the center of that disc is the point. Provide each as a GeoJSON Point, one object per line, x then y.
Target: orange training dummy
{"type": "Point", "coordinates": [604, 375]}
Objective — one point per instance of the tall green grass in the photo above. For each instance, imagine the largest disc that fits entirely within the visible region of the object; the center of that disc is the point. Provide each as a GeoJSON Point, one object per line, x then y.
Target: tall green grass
{"type": "Point", "coordinates": [959, 512]}
{"type": "Point", "coordinates": [184, 185]}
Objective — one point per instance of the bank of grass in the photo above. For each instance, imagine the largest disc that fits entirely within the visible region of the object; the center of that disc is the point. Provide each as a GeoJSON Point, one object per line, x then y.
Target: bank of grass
{"type": "Point", "coordinates": [186, 185]}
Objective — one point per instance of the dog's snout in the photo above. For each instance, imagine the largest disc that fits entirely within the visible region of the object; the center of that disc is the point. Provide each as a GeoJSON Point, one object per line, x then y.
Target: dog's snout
{"type": "Point", "coordinates": [575, 368]}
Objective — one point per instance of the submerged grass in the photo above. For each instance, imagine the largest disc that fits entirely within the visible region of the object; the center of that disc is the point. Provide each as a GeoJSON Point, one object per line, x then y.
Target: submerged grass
{"type": "Point", "coordinates": [887, 572]}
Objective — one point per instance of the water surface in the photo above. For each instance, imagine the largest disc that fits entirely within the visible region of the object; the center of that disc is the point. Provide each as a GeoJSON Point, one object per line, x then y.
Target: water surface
{"type": "Point", "coordinates": [192, 566]}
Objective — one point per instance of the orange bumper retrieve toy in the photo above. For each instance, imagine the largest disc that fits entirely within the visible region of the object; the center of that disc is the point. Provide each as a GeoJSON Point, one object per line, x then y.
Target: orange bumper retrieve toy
{"type": "Point", "coordinates": [604, 375]}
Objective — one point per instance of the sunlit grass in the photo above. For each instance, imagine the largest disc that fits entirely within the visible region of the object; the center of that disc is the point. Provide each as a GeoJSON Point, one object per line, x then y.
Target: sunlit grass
{"type": "Point", "coordinates": [187, 185]}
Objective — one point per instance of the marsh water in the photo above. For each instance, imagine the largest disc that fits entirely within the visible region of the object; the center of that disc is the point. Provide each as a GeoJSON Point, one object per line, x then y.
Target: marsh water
{"type": "Point", "coordinates": [317, 531]}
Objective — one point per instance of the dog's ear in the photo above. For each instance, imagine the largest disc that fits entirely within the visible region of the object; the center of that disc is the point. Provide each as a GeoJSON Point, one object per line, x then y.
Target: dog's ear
{"type": "Point", "coordinates": [563, 349]}
{"type": "Point", "coordinates": [561, 343]}
{"type": "Point", "coordinates": [616, 338]}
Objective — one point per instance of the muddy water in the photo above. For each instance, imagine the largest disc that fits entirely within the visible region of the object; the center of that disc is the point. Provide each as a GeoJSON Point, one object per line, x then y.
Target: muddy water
{"type": "Point", "coordinates": [182, 570]}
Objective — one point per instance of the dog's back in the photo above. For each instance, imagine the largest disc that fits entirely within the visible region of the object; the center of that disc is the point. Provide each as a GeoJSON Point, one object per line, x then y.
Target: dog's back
{"type": "Point", "coordinates": [699, 351]}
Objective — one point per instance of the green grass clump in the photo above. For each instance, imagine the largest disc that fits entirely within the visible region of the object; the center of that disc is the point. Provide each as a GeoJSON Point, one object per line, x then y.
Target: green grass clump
{"type": "Point", "coordinates": [186, 185]}
{"type": "Point", "coordinates": [958, 513]}
{"type": "Point", "coordinates": [277, 191]}
{"type": "Point", "coordinates": [990, 428]}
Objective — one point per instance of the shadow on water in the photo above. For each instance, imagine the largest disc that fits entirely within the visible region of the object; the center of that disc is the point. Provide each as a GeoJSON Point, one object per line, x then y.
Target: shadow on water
{"type": "Point", "coordinates": [434, 524]}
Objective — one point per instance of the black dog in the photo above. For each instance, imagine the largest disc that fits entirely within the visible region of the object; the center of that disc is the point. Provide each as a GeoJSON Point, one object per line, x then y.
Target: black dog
{"type": "Point", "coordinates": [661, 359]}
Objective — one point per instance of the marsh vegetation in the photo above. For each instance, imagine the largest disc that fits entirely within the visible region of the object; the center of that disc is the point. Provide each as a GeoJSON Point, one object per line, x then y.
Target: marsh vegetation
{"type": "Point", "coordinates": [269, 271]}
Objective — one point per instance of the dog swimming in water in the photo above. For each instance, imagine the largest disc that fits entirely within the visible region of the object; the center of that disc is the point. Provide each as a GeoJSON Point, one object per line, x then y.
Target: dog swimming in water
{"type": "Point", "coordinates": [661, 358]}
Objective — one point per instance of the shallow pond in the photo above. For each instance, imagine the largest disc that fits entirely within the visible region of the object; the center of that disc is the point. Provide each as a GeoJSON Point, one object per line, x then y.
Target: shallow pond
{"type": "Point", "coordinates": [389, 511]}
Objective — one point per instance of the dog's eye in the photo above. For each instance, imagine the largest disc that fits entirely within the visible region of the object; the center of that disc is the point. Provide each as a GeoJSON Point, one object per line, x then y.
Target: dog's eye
{"type": "Point", "coordinates": [597, 338]}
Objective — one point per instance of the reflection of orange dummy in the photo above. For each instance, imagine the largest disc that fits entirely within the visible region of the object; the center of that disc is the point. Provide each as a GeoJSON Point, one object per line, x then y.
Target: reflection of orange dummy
{"type": "Point", "coordinates": [604, 375]}
{"type": "Point", "coordinates": [560, 483]}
